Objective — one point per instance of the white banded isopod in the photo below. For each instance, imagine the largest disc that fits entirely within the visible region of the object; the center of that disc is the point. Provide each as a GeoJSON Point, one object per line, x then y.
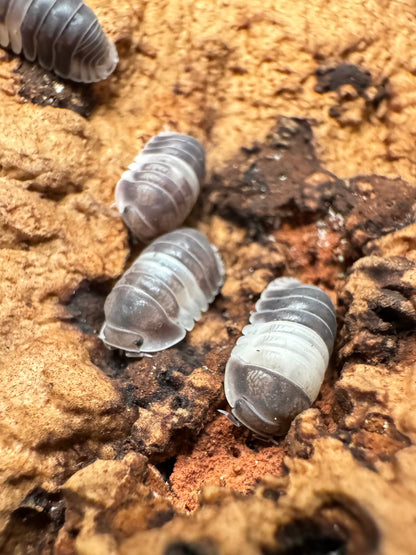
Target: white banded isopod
{"type": "Point", "coordinates": [277, 367]}
{"type": "Point", "coordinates": [63, 35]}
{"type": "Point", "coordinates": [159, 189]}
{"type": "Point", "coordinates": [163, 293]}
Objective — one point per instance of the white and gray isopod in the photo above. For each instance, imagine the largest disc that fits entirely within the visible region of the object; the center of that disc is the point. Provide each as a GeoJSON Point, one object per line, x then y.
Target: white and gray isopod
{"type": "Point", "coordinates": [62, 35]}
{"type": "Point", "coordinates": [277, 367]}
{"type": "Point", "coordinates": [163, 293]}
{"type": "Point", "coordinates": [160, 188]}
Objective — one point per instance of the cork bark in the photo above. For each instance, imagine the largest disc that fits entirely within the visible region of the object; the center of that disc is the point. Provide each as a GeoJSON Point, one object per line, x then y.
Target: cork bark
{"type": "Point", "coordinates": [307, 114]}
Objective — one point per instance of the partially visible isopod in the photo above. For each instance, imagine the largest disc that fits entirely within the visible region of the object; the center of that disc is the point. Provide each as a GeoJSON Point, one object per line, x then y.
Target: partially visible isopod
{"type": "Point", "coordinates": [159, 189]}
{"type": "Point", "coordinates": [163, 293]}
{"type": "Point", "coordinates": [63, 35]}
{"type": "Point", "coordinates": [277, 367]}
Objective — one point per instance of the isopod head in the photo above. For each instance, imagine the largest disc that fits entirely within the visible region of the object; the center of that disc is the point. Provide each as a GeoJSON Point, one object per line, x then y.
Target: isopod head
{"type": "Point", "coordinates": [138, 324]}
{"type": "Point", "coordinates": [268, 409]}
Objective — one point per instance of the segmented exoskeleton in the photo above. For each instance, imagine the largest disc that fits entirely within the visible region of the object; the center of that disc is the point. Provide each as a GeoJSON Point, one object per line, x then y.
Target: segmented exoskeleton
{"type": "Point", "coordinates": [277, 367]}
{"type": "Point", "coordinates": [163, 293]}
{"type": "Point", "coordinates": [159, 189]}
{"type": "Point", "coordinates": [62, 35]}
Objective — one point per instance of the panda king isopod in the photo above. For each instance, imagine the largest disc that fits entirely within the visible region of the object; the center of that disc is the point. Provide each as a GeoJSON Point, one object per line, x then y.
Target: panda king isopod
{"type": "Point", "coordinates": [277, 367]}
{"type": "Point", "coordinates": [161, 296]}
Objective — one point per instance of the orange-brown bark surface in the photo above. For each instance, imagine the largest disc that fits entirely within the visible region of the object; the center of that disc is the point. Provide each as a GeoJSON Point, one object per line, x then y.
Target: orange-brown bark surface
{"type": "Point", "coordinates": [307, 113]}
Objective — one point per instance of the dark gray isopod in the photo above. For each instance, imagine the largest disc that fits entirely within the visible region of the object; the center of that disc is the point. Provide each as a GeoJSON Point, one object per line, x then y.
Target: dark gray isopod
{"type": "Point", "coordinates": [277, 367]}
{"type": "Point", "coordinates": [160, 188]}
{"type": "Point", "coordinates": [63, 35]}
{"type": "Point", "coordinates": [163, 293]}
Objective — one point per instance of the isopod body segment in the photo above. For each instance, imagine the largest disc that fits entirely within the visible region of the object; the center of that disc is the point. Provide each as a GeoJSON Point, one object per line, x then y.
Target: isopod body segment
{"type": "Point", "coordinates": [277, 367]}
{"type": "Point", "coordinates": [161, 186]}
{"type": "Point", "coordinates": [163, 293]}
{"type": "Point", "coordinates": [62, 35]}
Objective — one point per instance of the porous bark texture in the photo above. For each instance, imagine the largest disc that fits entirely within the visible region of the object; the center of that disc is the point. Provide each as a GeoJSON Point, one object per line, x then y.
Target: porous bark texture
{"type": "Point", "coordinates": [307, 114]}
